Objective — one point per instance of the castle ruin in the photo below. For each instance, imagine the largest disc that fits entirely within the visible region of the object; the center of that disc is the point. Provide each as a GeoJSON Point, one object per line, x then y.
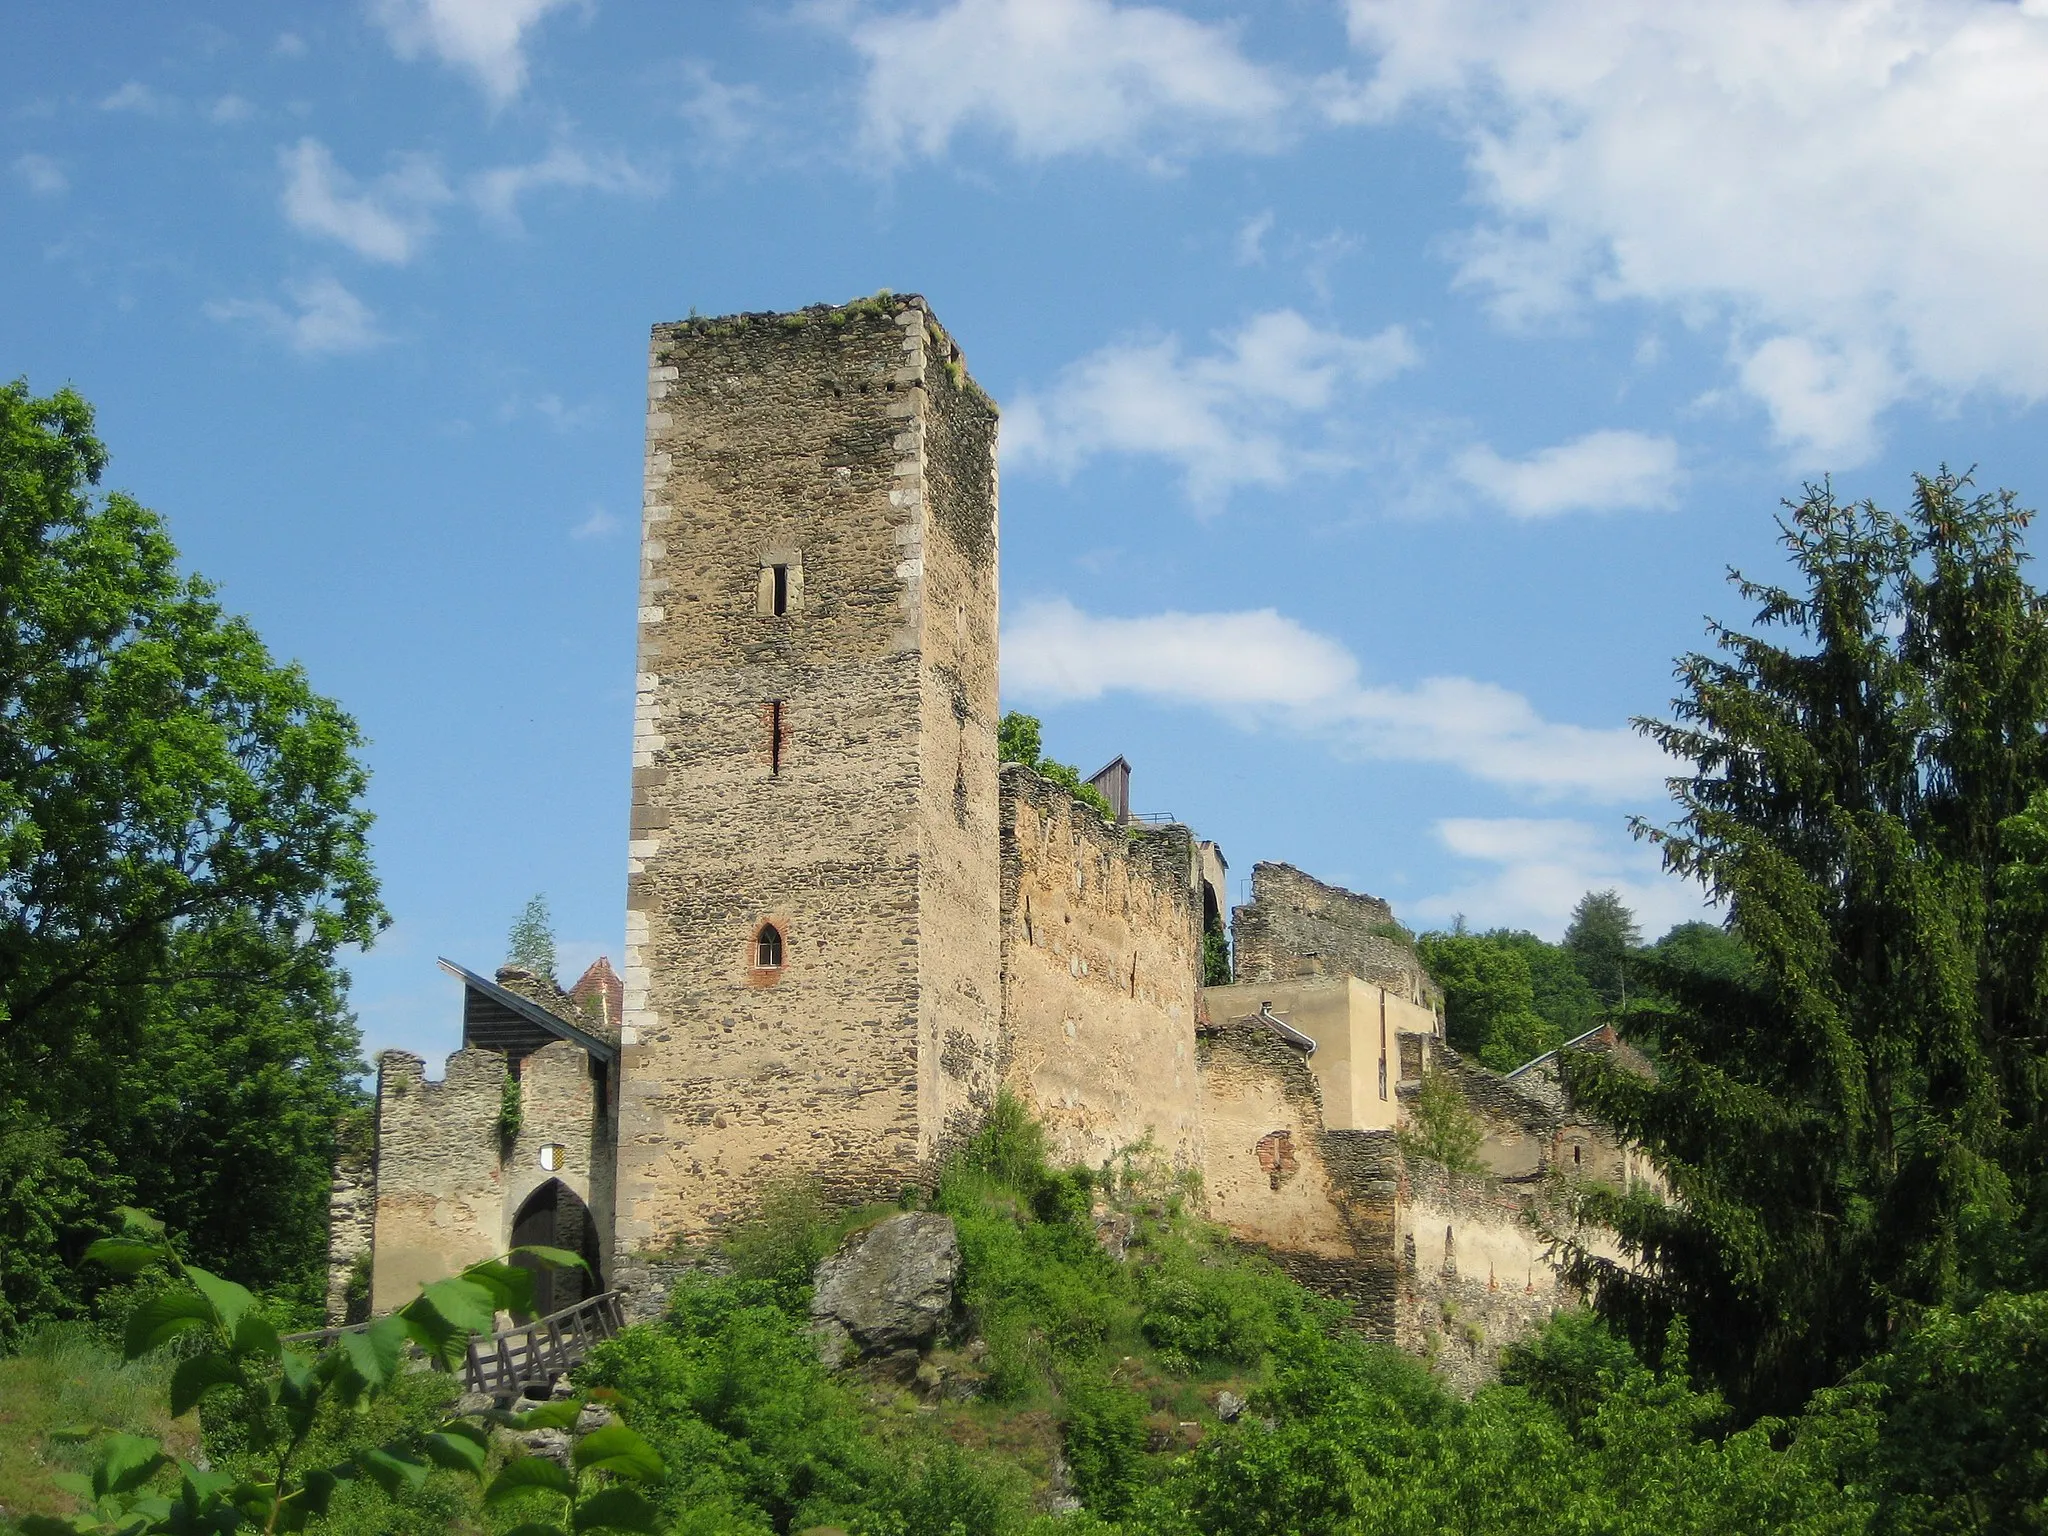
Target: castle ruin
{"type": "Point", "coordinates": [848, 926]}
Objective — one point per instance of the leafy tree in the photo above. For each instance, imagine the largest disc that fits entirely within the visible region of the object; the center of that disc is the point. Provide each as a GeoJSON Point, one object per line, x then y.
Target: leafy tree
{"type": "Point", "coordinates": [1852, 1128]}
{"type": "Point", "coordinates": [1558, 993]}
{"type": "Point", "coordinates": [1489, 998]}
{"type": "Point", "coordinates": [1601, 936]}
{"type": "Point", "coordinates": [1440, 1128]}
{"type": "Point", "coordinates": [1704, 949]}
{"type": "Point", "coordinates": [183, 851]}
{"type": "Point", "coordinates": [531, 944]}
{"type": "Point", "coordinates": [1019, 740]}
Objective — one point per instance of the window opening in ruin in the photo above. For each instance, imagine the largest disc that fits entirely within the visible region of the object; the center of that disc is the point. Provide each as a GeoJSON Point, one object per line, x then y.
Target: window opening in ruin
{"type": "Point", "coordinates": [768, 948]}
{"type": "Point", "coordinates": [780, 602]}
{"type": "Point", "coordinates": [1575, 1156]}
{"type": "Point", "coordinates": [774, 737]}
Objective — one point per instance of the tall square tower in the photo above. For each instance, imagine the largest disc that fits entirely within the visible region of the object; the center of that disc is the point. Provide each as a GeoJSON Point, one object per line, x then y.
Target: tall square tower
{"type": "Point", "coordinates": [812, 952]}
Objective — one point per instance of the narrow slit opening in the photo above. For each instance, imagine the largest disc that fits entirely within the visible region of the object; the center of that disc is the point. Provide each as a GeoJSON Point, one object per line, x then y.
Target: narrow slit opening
{"type": "Point", "coordinates": [781, 598]}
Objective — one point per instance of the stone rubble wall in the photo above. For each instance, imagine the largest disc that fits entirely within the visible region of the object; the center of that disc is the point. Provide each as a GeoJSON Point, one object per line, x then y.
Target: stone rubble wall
{"type": "Point", "coordinates": [1295, 925]}
{"type": "Point", "coordinates": [1101, 958]}
{"type": "Point", "coordinates": [351, 1225]}
{"type": "Point", "coordinates": [440, 1202]}
{"type": "Point", "coordinates": [1321, 1203]}
{"type": "Point", "coordinates": [558, 1107]}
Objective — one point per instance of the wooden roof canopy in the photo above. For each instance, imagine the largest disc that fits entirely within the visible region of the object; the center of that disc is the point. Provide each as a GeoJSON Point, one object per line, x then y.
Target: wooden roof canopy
{"type": "Point", "coordinates": [495, 1018]}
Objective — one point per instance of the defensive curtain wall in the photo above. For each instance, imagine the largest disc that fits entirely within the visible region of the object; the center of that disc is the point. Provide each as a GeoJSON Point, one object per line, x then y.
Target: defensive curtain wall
{"type": "Point", "coordinates": [812, 971]}
{"type": "Point", "coordinates": [1102, 955]}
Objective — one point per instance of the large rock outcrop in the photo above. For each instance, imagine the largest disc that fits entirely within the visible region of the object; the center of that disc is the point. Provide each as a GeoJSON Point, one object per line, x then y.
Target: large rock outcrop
{"type": "Point", "coordinates": [888, 1290]}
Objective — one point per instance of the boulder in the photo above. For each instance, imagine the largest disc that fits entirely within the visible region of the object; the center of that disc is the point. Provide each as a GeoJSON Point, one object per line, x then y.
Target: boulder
{"type": "Point", "coordinates": [888, 1289]}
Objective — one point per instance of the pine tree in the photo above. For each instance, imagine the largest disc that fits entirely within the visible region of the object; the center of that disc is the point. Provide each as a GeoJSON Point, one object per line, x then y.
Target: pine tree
{"type": "Point", "coordinates": [1851, 1128]}
{"type": "Point", "coordinates": [1600, 938]}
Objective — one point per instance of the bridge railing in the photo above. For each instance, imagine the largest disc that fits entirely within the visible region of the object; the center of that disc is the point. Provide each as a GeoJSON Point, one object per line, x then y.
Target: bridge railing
{"type": "Point", "coordinates": [526, 1354]}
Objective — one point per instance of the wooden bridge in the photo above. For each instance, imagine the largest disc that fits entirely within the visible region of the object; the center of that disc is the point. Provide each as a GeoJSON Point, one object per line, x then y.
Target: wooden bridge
{"type": "Point", "coordinates": [507, 1362]}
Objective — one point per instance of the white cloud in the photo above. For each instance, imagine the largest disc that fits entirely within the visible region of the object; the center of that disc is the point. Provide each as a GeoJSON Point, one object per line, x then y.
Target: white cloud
{"type": "Point", "coordinates": [1060, 77]}
{"type": "Point", "coordinates": [1841, 188]}
{"type": "Point", "coordinates": [1232, 417]}
{"type": "Point", "coordinates": [1249, 248]}
{"type": "Point", "coordinates": [1260, 668]}
{"type": "Point", "coordinates": [1601, 472]}
{"type": "Point", "coordinates": [595, 526]}
{"type": "Point", "coordinates": [41, 175]}
{"type": "Point", "coordinates": [487, 38]}
{"type": "Point", "coordinates": [324, 317]}
{"type": "Point", "coordinates": [496, 192]}
{"type": "Point", "coordinates": [134, 96]}
{"type": "Point", "coordinates": [385, 221]}
{"type": "Point", "coordinates": [230, 109]}
{"type": "Point", "coordinates": [1543, 866]}
{"type": "Point", "coordinates": [289, 45]}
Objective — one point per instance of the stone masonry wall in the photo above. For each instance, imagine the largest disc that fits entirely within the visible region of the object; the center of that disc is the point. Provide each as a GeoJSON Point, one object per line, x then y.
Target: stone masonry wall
{"type": "Point", "coordinates": [440, 1202]}
{"type": "Point", "coordinates": [1296, 925]}
{"type": "Point", "coordinates": [1101, 950]}
{"type": "Point", "coordinates": [351, 1225]}
{"type": "Point", "coordinates": [1321, 1203]}
{"type": "Point", "coordinates": [848, 447]}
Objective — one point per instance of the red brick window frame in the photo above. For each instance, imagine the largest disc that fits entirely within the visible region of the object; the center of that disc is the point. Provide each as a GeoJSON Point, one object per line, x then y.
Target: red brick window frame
{"type": "Point", "coordinates": [767, 951]}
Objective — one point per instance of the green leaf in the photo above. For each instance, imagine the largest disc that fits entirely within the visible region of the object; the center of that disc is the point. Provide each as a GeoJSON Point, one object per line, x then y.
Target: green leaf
{"type": "Point", "coordinates": [458, 1453]}
{"type": "Point", "coordinates": [204, 1484]}
{"type": "Point", "coordinates": [301, 1377]}
{"type": "Point", "coordinates": [136, 1222]}
{"type": "Point", "coordinates": [556, 1415]}
{"type": "Point", "coordinates": [123, 1255]}
{"type": "Point", "coordinates": [76, 1484]}
{"type": "Point", "coordinates": [460, 1303]}
{"type": "Point", "coordinates": [530, 1474]}
{"type": "Point", "coordinates": [536, 1528]}
{"type": "Point", "coordinates": [510, 1285]}
{"type": "Point", "coordinates": [126, 1463]}
{"type": "Point", "coordinates": [318, 1489]}
{"type": "Point", "coordinates": [617, 1509]}
{"type": "Point", "coordinates": [554, 1258]}
{"type": "Point", "coordinates": [255, 1335]}
{"type": "Point", "coordinates": [50, 1525]}
{"type": "Point", "coordinates": [194, 1378]}
{"type": "Point", "coordinates": [618, 1450]}
{"type": "Point", "coordinates": [375, 1352]}
{"type": "Point", "coordinates": [158, 1319]}
{"type": "Point", "coordinates": [230, 1301]}
{"type": "Point", "coordinates": [393, 1471]}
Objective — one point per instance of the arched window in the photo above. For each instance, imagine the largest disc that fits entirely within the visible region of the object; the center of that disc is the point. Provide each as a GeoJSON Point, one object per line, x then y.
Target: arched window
{"type": "Point", "coordinates": [768, 948]}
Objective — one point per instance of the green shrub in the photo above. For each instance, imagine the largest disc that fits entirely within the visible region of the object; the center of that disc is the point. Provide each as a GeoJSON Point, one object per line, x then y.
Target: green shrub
{"type": "Point", "coordinates": [784, 1239]}
{"type": "Point", "coordinates": [1102, 1434]}
{"type": "Point", "coordinates": [1204, 1305]}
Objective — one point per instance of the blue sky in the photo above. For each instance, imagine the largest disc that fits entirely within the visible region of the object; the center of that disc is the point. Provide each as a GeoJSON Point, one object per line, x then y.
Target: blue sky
{"type": "Point", "coordinates": [1387, 386]}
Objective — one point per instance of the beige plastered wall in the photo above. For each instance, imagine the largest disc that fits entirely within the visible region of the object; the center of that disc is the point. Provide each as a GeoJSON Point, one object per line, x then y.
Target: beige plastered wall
{"type": "Point", "coordinates": [1355, 1025]}
{"type": "Point", "coordinates": [1101, 948]}
{"type": "Point", "coordinates": [845, 448]}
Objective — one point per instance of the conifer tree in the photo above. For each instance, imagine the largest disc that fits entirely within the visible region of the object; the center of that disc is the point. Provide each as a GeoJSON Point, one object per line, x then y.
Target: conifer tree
{"type": "Point", "coordinates": [1852, 1128]}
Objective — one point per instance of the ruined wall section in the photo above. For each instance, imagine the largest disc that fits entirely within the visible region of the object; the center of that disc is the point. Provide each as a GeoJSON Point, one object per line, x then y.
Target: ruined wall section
{"type": "Point", "coordinates": [1321, 1203]}
{"type": "Point", "coordinates": [959, 953]}
{"type": "Point", "coordinates": [439, 1194]}
{"type": "Point", "coordinates": [1101, 956]}
{"type": "Point", "coordinates": [351, 1224]}
{"type": "Point", "coordinates": [782, 774]}
{"type": "Point", "coordinates": [1296, 925]}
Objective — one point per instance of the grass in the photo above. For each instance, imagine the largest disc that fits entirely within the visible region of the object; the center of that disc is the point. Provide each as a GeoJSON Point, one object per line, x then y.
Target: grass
{"type": "Point", "coordinates": [62, 1389]}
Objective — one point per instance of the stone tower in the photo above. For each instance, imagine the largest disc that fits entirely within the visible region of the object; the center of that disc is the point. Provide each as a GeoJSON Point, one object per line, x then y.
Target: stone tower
{"type": "Point", "coordinates": [812, 968]}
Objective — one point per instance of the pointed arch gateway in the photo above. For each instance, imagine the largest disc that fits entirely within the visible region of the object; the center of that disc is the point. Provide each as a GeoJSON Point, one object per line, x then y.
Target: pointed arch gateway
{"type": "Point", "coordinates": [554, 1216]}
